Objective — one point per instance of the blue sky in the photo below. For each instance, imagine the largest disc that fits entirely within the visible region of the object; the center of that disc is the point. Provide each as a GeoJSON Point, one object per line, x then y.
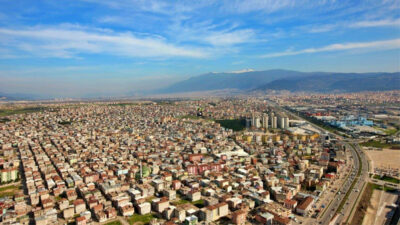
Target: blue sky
{"type": "Point", "coordinates": [90, 47]}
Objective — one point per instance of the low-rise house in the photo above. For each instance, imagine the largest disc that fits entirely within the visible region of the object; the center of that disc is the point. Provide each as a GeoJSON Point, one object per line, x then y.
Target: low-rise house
{"type": "Point", "coordinates": [71, 195]}
{"type": "Point", "coordinates": [239, 217]}
{"type": "Point", "coordinates": [160, 204]}
{"type": "Point", "coordinates": [127, 210]}
{"type": "Point", "coordinates": [80, 206]}
{"type": "Point", "coordinates": [194, 195]}
{"type": "Point", "coordinates": [81, 220]}
{"type": "Point", "coordinates": [290, 204]}
{"type": "Point", "coordinates": [305, 206]}
{"type": "Point", "coordinates": [265, 218]}
{"type": "Point", "coordinates": [69, 212]}
{"type": "Point", "coordinates": [144, 208]}
{"type": "Point", "coordinates": [171, 194]}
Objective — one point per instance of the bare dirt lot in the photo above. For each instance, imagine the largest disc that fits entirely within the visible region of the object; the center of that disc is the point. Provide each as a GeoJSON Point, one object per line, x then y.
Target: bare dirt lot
{"type": "Point", "coordinates": [370, 215]}
{"type": "Point", "coordinates": [384, 158]}
{"type": "Point", "coordinates": [363, 205]}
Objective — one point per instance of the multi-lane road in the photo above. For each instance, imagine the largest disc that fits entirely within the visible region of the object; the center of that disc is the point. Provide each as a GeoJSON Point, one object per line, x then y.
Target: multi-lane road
{"type": "Point", "coordinates": [349, 193]}
{"type": "Point", "coordinates": [331, 209]}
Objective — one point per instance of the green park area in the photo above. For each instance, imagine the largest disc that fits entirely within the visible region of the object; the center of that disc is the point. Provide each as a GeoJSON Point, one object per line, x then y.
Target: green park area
{"type": "Point", "coordinates": [198, 203]}
{"type": "Point", "coordinates": [390, 131]}
{"type": "Point", "coordinates": [9, 191]}
{"type": "Point", "coordinates": [380, 187]}
{"type": "Point", "coordinates": [235, 124]}
{"type": "Point", "coordinates": [180, 202]}
{"type": "Point", "coordinates": [8, 112]}
{"type": "Point", "coordinates": [387, 179]}
{"type": "Point", "coordinates": [117, 222]}
{"type": "Point", "coordinates": [143, 219]}
{"type": "Point", "coordinates": [378, 144]}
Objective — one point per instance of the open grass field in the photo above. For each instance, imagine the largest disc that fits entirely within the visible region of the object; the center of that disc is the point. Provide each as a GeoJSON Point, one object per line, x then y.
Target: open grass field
{"type": "Point", "coordinates": [390, 131]}
{"type": "Point", "coordinates": [377, 144]}
{"type": "Point", "coordinates": [180, 202]}
{"type": "Point", "coordinates": [8, 112]}
{"type": "Point", "coordinates": [387, 178]}
{"type": "Point", "coordinates": [9, 191]}
{"type": "Point", "coordinates": [117, 222]}
{"type": "Point", "coordinates": [143, 219]}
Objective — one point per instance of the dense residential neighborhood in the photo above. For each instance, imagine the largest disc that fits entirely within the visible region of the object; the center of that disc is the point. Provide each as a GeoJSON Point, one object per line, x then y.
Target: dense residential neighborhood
{"type": "Point", "coordinates": [165, 161]}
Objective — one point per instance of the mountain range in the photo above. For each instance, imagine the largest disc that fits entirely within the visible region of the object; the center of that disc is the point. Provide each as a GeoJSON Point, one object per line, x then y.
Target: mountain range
{"type": "Point", "coordinates": [293, 81]}
{"type": "Point", "coordinates": [248, 82]}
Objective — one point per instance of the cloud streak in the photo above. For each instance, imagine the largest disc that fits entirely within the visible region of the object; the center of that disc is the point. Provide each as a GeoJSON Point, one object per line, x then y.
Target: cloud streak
{"type": "Point", "coordinates": [67, 43]}
{"type": "Point", "coordinates": [376, 45]}
{"type": "Point", "coordinates": [376, 23]}
{"type": "Point", "coordinates": [351, 25]}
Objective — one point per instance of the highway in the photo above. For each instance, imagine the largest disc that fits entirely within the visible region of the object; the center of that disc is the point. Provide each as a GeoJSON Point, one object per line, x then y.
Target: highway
{"type": "Point", "coordinates": [355, 193]}
{"type": "Point", "coordinates": [359, 175]}
{"type": "Point", "coordinates": [331, 209]}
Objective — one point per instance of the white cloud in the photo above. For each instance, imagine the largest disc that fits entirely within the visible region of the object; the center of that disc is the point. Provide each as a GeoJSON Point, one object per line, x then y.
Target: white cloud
{"type": "Point", "coordinates": [376, 45]}
{"type": "Point", "coordinates": [222, 34]}
{"type": "Point", "coordinates": [165, 7]}
{"type": "Point", "coordinates": [70, 42]}
{"type": "Point", "coordinates": [271, 6]}
{"type": "Point", "coordinates": [230, 37]}
{"type": "Point", "coordinates": [256, 5]}
{"type": "Point", "coordinates": [321, 28]}
{"type": "Point", "coordinates": [376, 23]}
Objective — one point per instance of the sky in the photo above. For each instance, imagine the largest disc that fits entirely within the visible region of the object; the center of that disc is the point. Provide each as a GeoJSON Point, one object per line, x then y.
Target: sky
{"type": "Point", "coordinates": [85, 48]}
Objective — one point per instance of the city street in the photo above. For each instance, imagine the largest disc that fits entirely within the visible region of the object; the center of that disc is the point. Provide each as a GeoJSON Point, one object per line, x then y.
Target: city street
{"type": "Point", "coordinates": [351, 201]}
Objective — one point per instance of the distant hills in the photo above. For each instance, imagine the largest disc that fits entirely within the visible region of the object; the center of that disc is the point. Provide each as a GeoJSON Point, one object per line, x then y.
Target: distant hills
{"type": "Point", "coordinates": [218, 81]}
{"type": "Point", "coordinates": [249, 82]}
{"type": "Point", "coordinates": [293, 81]}
{"type": "Point", "coordinates": [337, 82]}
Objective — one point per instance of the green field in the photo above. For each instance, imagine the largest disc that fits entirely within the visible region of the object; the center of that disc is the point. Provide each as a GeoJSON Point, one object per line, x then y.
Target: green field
{"type": "Point", "coordinates": [117, 222]}
{"type": "Point", "coordinates": [180, 202]}
{"type": "Point", "coordinates": [378, 144]}
{"type": "Point", "coordinates": [390, 131]}
{"type": "Point", "coordinates": [145, 219]}
{"type": "Point", "coordinates": [236, 125]}
{"type": "Point", "coordinates": [8, 112]}
{"type": "Point", "coordinates": [379, 187]}
{"type": "Point", "coordinates": [387, 178]}
{"type": "Point", "coordinates": [9, 191]}
{"type": "Point", "coordinates": [199, 203]}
